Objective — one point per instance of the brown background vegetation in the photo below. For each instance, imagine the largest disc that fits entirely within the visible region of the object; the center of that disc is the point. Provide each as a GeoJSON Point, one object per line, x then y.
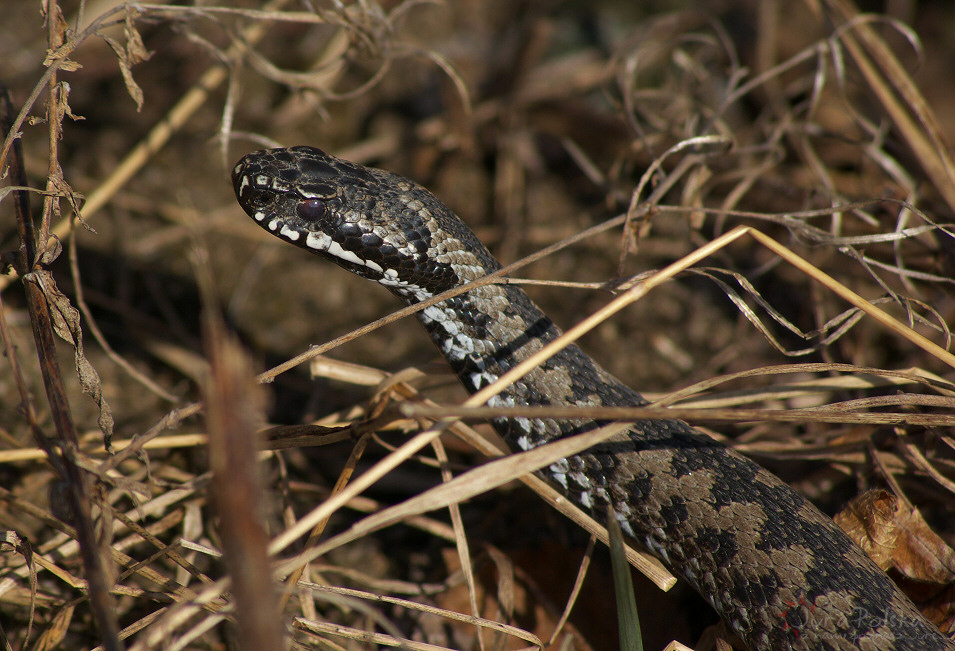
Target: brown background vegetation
{"type": "Point", "coordinates": [533, 121]}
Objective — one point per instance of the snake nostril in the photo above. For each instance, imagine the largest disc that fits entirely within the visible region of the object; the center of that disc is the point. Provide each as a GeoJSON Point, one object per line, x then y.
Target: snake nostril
{"type": "Point", "coordinates": [311, 210]}
{"type": "Point", "coordinates": [258, 199]}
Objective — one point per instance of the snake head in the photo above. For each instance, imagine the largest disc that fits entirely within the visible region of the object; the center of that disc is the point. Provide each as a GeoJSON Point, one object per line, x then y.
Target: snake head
{"type": "Point", "coordinates": [374, 223]}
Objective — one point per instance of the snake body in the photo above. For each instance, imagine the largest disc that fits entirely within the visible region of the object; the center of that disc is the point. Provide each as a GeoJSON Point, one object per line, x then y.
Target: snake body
{"type": "Point", "coordinates": [781, 574]}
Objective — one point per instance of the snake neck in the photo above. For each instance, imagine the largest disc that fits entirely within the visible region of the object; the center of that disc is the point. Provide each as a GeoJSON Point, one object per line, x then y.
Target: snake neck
{"type": "Point", "coordinates": [488, 331]}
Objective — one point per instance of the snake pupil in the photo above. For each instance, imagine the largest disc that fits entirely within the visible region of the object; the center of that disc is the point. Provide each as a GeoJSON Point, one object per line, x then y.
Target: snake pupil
{"type": "Point", "coordinates": [311, 210]}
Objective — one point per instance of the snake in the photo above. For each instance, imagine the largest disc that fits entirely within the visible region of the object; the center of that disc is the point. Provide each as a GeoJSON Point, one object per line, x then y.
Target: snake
{"type": "Point", "coordinates": [780, 573]}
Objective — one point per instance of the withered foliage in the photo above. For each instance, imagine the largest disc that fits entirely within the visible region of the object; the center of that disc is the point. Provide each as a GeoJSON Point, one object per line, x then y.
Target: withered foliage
{"type": "Point", "coordinates": [793, 162]}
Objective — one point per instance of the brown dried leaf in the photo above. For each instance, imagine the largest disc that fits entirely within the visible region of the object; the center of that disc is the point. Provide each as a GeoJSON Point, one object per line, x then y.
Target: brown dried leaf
{"type": "Point", "coordinates": [61, 45]}
{"type": "Point", "coordinates": [869, 520]}
{"type": "Point", "coordinates": [63, 110]}
{"type": "Point", "coordinates": [922, 555]}
{"type": "Point", "coordinates": [66, 323]}
{"type": "Point", "coordinates": [59, 56]}
{"type": "Point", "coordinates": [896, 537]}
{"type": "Point", "coordinates": [129, 55]}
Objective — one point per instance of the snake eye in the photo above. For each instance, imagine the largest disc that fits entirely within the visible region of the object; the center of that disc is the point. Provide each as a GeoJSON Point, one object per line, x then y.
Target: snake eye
{"type": "Point", "coordinates": [311, 210]}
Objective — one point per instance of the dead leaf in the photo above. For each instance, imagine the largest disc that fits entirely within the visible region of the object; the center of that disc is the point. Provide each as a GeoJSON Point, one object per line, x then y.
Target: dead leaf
{"type": "Point", "coordinates": [60, 39]}
{"type": "Point", "coordinates": [898, 538]}
{"type": "Point", "coordinates": [66, 323]}
{"type": "Point", "coordinates": [128, 55]}
{"type": "Point", "coordinates": [869, 520]}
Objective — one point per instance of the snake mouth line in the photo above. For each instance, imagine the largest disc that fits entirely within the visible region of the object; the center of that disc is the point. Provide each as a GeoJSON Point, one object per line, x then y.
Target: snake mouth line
{"type": "Point", "coordinates": [257, 191]}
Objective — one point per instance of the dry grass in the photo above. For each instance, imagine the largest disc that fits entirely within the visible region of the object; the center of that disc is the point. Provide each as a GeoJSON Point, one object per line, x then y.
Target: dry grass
{"type": "Point", "coordinates": [787, 176]}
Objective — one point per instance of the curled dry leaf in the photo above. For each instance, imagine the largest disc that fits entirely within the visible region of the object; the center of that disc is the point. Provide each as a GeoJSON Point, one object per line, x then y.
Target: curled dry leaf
{"type": "Point", "coordinates": [898, 538]}
{"type": "Point", "coordinates": [66, 323]}
{"type": "Point", "coordinates": [129, 55]}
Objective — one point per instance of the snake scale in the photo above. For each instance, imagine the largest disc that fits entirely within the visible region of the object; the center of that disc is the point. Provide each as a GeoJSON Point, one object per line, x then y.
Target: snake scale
{"type": "Point", "coordinates": [780, 573]}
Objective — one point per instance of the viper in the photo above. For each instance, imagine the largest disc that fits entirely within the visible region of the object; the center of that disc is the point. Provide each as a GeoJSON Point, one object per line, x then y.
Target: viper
{"type": "Point", "coordinates": [779, 572]}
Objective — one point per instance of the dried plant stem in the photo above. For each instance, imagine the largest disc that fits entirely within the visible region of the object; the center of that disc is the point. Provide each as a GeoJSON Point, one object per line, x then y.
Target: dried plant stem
{"type": "Point", "coordinates": [63, 451]}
